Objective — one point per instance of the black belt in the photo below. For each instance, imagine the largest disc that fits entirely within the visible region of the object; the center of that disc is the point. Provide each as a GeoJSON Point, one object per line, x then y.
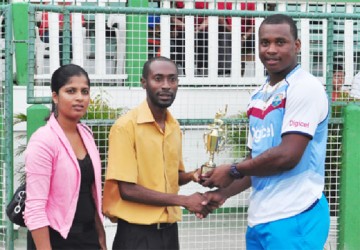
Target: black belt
{"type": "Point", "coordinates": [82, 227]}
{"type": "Point", "coordinates": [157, 226]}
{"type": "Point", "coordinates": [160, 226]}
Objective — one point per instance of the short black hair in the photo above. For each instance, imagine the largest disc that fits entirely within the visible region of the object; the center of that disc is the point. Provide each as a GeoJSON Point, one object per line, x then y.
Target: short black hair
{"type": "Point", "coordinates": [338, 67]}
{"type": "Point", "coordinates": [280, 19]}
{"type": "Point", "coordinates": [146, 67]}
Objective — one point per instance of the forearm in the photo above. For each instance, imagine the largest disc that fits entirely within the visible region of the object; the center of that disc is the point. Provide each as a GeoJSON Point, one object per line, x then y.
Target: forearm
{"type": "Point", "coordinates": [236, 187]}
{"type": "Point", "coordinates": [41, 238]}
{"type": "Point", "coordinates": [270, 162]}
{"type": "Point", "coordinates": [136, 193]}
{"type": "Point", "coordinates": [186, 177]}
{"type": "Point", "coordinates": [277, 159]}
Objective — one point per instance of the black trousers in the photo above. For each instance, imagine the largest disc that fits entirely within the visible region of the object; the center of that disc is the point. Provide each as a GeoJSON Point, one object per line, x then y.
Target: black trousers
{"type": "Point", "coordinates": [80, 239]}
{"type": "Point", "coordinates": [135, 236]}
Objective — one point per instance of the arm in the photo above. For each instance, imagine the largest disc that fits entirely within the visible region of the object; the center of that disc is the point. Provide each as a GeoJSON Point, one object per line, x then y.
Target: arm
{"type": "Point", "coordinates": [186, 177]}
{"type": "Point", "coordinates": [202, 26]}
{"type": "Point", "coordinates": [136, 193]}
{"type": "Point", "coordinates": [216, 198]}
{"type": "Point", "coordinates": [39, 155]}
{"type": "Point", "coordinates": [273, 161]}
{"type": "Point", "coordinates": [101, 231]}
{"type": "Point", "coordinates": [223, 22]}
{"type": "Point", "coordinates": [41, 238]}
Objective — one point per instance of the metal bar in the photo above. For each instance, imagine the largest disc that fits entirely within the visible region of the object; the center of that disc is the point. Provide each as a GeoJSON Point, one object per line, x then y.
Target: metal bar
{"type": "Point", "coordinates": [203, 12]}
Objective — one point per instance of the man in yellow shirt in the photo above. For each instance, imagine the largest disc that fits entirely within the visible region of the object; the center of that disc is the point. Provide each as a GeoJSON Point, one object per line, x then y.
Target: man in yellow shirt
{"type": "Point", "coordinates": [145, 167]}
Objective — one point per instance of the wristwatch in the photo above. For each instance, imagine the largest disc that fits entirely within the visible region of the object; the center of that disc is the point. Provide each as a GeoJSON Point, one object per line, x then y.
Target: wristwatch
{"type": "Point", "coordinates": [234, 172]}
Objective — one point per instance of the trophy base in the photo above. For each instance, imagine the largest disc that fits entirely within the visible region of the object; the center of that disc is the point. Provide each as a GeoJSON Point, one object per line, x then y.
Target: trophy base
{"type": "Point", "coordinates": [206, 168]}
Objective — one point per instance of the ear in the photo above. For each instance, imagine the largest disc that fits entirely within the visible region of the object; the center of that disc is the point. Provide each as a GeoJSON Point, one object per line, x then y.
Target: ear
{"type": "Point", "coordinates": [54, 97]}
{"type": "Point", "coordinates": [298, 45]}
{"type": "Point", "coordinates": [143, 82]}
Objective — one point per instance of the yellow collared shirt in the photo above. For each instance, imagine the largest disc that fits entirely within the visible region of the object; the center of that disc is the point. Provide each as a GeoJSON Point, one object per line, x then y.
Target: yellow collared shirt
{"type": "Point", "coordinates": [140, 152]}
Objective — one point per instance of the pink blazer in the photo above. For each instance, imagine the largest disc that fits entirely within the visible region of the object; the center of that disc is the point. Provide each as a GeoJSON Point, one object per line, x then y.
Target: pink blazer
{"type": "Point", "coordinates": [53, 177]}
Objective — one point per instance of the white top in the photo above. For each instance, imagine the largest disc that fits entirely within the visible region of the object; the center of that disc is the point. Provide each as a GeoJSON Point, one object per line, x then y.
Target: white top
{"type": "Point", "coordinates": [298, 104]}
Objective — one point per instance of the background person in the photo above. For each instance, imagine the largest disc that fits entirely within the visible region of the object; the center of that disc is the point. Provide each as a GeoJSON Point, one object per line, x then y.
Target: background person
{"type": "Point", "coordinates": [288, 122]}
{"type": "Point", "coordinates": [355, 87]}
{"type": "Point", "coordinates": [63, 171]}
{"type": "Point", "coordinates": [338, 82]}
{"type": "Point", "coordinates": [145, 167]}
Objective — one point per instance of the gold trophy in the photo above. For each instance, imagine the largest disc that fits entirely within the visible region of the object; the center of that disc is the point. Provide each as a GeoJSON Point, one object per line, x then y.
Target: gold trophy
{"type": "Point", "coordinates": [214, 140]}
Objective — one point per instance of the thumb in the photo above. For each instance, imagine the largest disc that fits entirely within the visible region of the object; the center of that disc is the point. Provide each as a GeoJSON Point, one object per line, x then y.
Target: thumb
{"type": "Point", "coordinates": [204, 202]}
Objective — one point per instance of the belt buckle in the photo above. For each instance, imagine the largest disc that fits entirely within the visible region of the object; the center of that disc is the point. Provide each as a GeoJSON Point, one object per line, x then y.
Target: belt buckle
{"type": "Point", "coordinates": [158, 226]}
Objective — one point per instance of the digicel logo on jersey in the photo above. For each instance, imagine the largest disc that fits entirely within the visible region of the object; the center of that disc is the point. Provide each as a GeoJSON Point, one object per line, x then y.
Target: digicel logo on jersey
{"type": "Point", "coordinates": [299, 124]}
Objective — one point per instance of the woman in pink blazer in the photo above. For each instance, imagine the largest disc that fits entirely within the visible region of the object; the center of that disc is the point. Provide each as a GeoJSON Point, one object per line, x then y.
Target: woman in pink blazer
{"type": "Point", "coordinates": [63, 172]}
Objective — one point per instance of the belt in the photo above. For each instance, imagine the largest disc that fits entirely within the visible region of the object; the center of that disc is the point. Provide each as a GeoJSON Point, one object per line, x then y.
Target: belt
{"type": "Point", "coordinates": [160, 226]}
{"type": "Point", "coordinates": [157, 226]}
{"type": "Point", "coordinates": [82, 227]}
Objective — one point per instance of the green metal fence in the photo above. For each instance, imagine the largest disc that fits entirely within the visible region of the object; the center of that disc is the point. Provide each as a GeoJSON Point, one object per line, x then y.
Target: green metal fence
{"type": "Point", "coordinates": [116, 89]}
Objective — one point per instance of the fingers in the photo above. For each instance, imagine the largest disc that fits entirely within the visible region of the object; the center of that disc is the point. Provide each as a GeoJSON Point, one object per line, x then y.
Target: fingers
{"type": "Point", "coordinates": [196, 175]}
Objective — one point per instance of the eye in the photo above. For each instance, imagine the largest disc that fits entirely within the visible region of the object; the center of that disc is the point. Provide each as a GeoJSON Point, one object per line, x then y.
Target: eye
{"type": "Point", "coordinates": [173, 79]}
{"type": "Point", "coordinates": [157, 78]}
{"type": "Point", "coordinates": [70, 91]}
{"type": "Point", "coordinates": [280, 42]}
{"type": "Point", "coordinates": [85, 91]}
{"type": "Point", "coordinates": [264, 43]}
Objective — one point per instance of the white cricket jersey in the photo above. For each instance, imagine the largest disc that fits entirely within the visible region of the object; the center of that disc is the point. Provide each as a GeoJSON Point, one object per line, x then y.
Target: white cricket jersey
{"type": "Point", "coordinates": [298, 104]}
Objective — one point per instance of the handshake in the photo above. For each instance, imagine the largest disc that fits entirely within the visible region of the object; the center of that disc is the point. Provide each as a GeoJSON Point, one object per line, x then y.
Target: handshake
{"type": "Point", "coordinates": [203, 204]}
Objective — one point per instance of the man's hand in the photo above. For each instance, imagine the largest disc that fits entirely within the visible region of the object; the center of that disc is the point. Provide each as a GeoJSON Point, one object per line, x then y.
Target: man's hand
{"type": "Point", "coordinates": [214, 199]}
{"type": "Point", "coordinates": [196, 175]}
{"type": "Point", "coordinates": [194, 204]}
{"type": "Point", "coordinates": [219, 177]}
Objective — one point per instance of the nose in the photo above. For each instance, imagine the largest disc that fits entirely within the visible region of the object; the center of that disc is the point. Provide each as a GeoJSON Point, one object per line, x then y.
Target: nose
{"type": "Point", "coordinates": [166, 84]}
{"type": "Point", "coordinates": [272, 48]}
{"type": "Point", "coordinates": [79, 96]}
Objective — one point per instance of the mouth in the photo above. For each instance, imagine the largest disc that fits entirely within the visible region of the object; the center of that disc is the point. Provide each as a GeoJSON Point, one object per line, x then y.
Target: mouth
{"type": "Point", "coordinates": [165, 96]}
{"type": "Point", "coordinates": [272, 61]}
{"type": "Point", "coordinates": [78, 107]}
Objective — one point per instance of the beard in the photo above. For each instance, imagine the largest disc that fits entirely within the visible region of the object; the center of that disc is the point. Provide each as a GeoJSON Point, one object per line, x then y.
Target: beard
{"type": "Point", "coordinates": [156, 101]}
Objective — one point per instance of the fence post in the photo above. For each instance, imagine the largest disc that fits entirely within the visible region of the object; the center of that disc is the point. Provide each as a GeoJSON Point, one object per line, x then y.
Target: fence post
{"type": "Point", "coordinates": [136, 38]}
{"type": "Point", "coordinates": [349, 219]}
{"type": "Point", "coordinates": [36, 115]}
{"type": "Point", "coordinates": [21, 37]}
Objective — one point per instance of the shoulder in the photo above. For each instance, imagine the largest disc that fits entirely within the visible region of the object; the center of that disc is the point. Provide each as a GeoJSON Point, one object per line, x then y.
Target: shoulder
{"type": "Point", "coordinates": [43, 141]}
{"type": "Point", "coordinates": [44, 134]}
{"type": "Point", "coordinates": [126, 122]}
{"type": "Point", "coordinates": [303, 81]}
{"type": "Point", "coordinates": [126, 118]}
{"type": "Point", "coordinates": [356, 79]}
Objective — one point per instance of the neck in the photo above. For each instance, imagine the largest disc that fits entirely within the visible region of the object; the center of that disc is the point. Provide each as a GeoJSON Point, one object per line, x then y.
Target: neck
{"type": "Point", "coordinates": [274, 78]}
{"type": "Point", "coordinates": [159, 117]}
{"type": "Point", "coordinates": [69, 126]}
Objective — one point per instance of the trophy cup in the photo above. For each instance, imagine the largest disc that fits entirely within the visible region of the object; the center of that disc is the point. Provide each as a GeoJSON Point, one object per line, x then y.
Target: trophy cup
{"type": "Point", "coordinates": [214, 140]}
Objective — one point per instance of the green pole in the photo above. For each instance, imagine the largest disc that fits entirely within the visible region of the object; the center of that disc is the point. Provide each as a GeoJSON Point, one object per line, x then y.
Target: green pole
{"type": "Point", "coordinates": [349, 220]}
{"type": "Point", "coordinates": [136, 40]}
{"type": "Point", "coordinates": [2, 170]}
{"type": "Point", "coordinates": [8, 124]}
{"type": "Point", "coordinates": [36, 115]}
{"type": "Point", "coordinates": [21, 37]}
